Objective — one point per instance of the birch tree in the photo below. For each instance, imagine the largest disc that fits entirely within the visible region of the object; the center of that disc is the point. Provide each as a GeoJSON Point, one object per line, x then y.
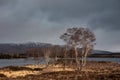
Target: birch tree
{"type": "Point", "coordinates": [79, 38]}
{"type": "Point", "coordinates": [47, 53]}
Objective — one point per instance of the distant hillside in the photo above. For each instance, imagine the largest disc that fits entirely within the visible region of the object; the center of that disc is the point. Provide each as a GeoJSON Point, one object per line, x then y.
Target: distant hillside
{"type": "Point", "coordinates": [13, 48]}
{"type": "Point", "coordinates": [20, 48]}
{"type": "Point", "coordinates": [101, 52]}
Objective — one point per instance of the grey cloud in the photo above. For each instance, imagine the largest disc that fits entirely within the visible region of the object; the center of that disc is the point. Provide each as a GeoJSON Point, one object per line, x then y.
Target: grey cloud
{"type": "Point", "coordinates": [3, 2]}
{"type": "Point", "coordinates": [107, 40]}
{"type": "Point", "coordinates": [96, 13]}
{"type": "Point", "coordinates": [109, 21]}
{"type": "Point", "coordinates": [107, 12]}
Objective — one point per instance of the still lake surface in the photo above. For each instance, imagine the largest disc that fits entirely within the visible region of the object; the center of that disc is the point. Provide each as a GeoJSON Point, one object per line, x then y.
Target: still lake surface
{"type": "Point", "coordinates": [21, 62]}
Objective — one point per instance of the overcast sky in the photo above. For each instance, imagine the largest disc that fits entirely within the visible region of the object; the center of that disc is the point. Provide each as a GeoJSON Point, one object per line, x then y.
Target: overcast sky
{"type": "Point", "coordinates": [45, 20]}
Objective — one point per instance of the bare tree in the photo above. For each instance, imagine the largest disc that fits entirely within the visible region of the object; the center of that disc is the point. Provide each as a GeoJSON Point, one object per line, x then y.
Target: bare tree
{"type": "Point", "coordinates": [35, 53]}
{"type": "Point", "coordinates": [56, 52]}
{"type": "Point", "coordinates": [47, 53]}
{"type": "Point", "coordinates": [79, 38]}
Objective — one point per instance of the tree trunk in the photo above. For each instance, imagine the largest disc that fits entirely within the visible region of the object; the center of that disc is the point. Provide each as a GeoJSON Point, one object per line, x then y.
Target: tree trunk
{"type": "Point", "coordinates": [65, 54]}
{"type": "Point", "coordinates": [76, 58]}
{"type": "Point", "coordinates": [82, 56]}
{"type": "Point", "coordinates": [47, 57]}
{"type": "Point", "coordinates": [85, 57]}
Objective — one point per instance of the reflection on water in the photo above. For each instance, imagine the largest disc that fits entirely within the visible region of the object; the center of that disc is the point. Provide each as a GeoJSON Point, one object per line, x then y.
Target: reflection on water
{"type": "Point", "coordinates": [20, 62]}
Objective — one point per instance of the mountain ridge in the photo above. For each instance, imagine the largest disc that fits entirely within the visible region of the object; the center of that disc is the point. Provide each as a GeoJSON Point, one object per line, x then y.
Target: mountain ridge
{"type": "Point", "coordinates": [22, 47]}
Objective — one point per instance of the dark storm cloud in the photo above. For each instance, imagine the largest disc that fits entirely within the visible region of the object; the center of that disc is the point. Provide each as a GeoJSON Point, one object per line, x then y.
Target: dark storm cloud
{"type": "Point", "coordinates": [97, 13]}
{"type": "Point", "coordinates": [2, 2]}
{"type": "Point", "coordinates": [45, 20]}
{"type": "Point", "coordinates": [109, 20]}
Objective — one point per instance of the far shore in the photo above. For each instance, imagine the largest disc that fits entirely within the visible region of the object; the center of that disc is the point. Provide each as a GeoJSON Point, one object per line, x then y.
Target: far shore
{"type": "Point", "coordinates": [97, 55]}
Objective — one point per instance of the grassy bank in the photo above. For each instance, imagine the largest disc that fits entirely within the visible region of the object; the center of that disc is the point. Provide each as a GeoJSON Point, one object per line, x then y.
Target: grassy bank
{"type": "Point", "coordinates": [92, 71]}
